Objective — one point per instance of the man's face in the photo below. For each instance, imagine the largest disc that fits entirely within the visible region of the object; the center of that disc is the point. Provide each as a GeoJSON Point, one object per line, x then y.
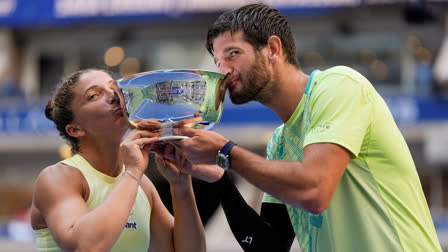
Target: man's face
{"type": "Point", "coordinates": [245, 67]}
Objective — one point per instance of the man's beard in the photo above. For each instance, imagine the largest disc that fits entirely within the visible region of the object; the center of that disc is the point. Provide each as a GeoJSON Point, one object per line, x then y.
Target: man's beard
{"type": "Point", "coordinates": [252, 83]}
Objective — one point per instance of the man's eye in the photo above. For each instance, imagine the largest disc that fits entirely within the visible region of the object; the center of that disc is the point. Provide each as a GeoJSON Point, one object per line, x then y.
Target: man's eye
{"type": "Point", "coordinates": [233, 53]}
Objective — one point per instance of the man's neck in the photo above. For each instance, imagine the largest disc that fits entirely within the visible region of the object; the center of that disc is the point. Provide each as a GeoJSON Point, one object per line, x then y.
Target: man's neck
{"type": "Point", "coordinates": [288, 86]}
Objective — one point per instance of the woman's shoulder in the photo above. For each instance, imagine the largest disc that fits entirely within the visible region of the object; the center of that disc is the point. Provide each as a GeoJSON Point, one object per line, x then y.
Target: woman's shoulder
{"type": "Point", "coordinates": [58, 172]}
{"type": "Point", "coordinates": [55, 184]}
{"type": "Point", "coordinates": [59, 178]}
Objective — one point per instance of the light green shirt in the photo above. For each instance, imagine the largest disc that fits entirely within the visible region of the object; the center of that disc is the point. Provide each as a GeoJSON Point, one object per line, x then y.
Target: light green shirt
{"type": "Point", "coordinates": [378, 204]}
{"type": "Point", "coordinates": [135, 235]}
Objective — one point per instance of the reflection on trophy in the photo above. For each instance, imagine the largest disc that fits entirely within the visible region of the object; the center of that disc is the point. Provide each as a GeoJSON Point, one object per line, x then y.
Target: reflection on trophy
{"type": "Point", "coordinates": [193, 98]}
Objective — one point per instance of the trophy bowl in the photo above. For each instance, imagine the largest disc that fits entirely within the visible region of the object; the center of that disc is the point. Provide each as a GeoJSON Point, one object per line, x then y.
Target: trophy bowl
{"type": "Point", "coordinates": [192, 97]}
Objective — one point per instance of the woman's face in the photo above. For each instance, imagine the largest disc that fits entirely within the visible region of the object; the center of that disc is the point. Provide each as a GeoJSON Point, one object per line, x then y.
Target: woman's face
{"type": "Point", "coordinates": [96, 105]}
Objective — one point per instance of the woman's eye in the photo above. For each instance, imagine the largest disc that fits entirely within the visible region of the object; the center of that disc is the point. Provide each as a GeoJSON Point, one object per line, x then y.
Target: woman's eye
{"type": "Point", "coordinates": [92, 96]}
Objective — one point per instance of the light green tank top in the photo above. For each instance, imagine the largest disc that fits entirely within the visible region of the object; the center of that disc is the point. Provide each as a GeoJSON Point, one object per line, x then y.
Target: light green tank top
{"type": "Point", "coordinates": [135, 235]}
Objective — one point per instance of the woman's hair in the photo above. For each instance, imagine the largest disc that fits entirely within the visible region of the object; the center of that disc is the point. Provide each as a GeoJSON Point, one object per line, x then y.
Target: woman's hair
{"type": "Point", "coordinates": [59, 108]}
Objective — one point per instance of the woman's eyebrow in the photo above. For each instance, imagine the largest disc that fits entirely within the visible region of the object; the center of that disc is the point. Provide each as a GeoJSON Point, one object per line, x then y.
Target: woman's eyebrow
{"type": "Point", "coordinates": [90, 88]}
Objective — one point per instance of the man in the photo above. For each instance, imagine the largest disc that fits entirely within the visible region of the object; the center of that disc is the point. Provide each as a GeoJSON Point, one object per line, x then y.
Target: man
{"type": "Point", "coordinates": [338, 167]}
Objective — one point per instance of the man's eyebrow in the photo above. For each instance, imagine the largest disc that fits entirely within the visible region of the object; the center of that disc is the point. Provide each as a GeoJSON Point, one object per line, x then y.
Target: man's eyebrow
{"type": "Point", "coordinates": [226, 50]}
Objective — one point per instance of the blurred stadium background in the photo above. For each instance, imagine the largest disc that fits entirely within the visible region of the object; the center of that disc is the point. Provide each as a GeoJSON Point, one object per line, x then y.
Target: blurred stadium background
{"type": "Point", "coordinates": [400, 45]}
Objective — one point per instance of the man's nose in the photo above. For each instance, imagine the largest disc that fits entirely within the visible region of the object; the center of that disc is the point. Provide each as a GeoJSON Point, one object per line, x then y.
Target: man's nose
{"type": "Point", "coordinates": [225, 68]}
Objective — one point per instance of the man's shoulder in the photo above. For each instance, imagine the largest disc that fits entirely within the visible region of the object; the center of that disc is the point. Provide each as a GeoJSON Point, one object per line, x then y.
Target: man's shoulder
{"type": "Point", "coordinates": [341, 72]}
{"type": "Point", "coordinates": [275, 140]}
{"type": "Point", "coordinates": [277, 132]}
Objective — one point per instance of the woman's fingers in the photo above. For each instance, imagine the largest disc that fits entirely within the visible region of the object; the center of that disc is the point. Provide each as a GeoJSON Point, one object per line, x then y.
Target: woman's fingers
{"type": "Point", "coordinates": [168, 169]}
{"type": "Point", "coordinates": [136, 134]}
{"type": "Point", "coordinates": [149, 125]}
{"type": "Point", "coordinates": [160, 162]}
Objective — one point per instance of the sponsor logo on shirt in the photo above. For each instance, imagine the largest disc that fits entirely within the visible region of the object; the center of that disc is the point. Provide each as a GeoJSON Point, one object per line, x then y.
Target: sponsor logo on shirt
{"type": "Point", "coordinates": [131, 225]}
{"type": "Point", "coordinates": [247, 240]}
{"type": "Point", "coordinates": [321, 128]}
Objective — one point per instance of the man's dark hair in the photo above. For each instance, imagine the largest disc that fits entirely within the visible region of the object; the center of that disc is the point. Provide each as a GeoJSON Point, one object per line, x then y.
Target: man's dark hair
{"type": "Point", "coordinates": [258, 22]}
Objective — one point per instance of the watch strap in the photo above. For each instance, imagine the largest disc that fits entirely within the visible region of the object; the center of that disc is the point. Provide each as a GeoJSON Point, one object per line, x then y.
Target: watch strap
{"type": "Point", "coordinates": [227, 147]}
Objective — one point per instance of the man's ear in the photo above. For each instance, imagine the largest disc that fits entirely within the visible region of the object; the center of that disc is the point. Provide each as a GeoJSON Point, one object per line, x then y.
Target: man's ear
{"type": "Point", "coordinates": [74, 130]}
{"type": "Point", "coordinates": [274, 46]}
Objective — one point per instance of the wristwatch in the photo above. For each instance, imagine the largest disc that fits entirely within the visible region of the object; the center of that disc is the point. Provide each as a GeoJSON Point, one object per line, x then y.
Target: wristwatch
{"type": "Point", "coordinates": [222, 159]}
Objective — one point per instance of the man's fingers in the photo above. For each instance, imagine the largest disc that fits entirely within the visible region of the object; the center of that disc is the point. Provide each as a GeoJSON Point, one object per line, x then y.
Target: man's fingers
{"type": "Point", "coordinates": [184, 131]}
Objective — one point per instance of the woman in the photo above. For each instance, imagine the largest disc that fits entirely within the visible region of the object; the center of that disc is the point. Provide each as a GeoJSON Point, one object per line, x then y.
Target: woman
{"type": "Point", "coordinates": [100, 199]}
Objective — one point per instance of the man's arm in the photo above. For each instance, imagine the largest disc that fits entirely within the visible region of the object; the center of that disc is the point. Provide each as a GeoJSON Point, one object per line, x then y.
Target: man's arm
{"type": "Point", "coordinates": [308, 184]}
{"type": "Point", "coordinates": [269, 231]}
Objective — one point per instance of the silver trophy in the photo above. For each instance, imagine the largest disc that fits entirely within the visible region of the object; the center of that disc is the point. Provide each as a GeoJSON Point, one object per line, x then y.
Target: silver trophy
{"type": "Point", "coordinates": [193, 98]}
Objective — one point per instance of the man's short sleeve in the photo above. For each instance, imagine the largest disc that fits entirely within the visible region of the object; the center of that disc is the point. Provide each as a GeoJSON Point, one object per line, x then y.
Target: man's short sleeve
{"type": "Point", "coordinates": [267, 198]}
{"type": "Point", "coordinates": [339, 113]}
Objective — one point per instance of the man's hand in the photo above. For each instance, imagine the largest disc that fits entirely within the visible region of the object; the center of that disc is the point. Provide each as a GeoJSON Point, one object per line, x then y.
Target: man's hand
{"type": "Point", "coordinates": [201, 146]}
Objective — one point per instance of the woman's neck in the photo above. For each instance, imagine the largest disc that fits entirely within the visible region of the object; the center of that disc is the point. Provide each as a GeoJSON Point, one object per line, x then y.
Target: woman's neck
{"type": "Point", "coordinates": [104, 157]}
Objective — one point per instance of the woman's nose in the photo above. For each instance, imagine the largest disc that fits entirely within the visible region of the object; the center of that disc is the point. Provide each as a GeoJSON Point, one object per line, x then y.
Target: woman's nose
{"type": "Point", "coordinates": [113, 96]}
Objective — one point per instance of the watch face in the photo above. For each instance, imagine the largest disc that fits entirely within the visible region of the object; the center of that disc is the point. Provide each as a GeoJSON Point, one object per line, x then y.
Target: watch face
{"type": "Point", "coordinates": [222, 161]}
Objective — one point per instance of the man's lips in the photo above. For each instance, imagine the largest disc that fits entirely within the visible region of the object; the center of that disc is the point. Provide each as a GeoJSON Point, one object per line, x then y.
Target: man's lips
{"type": "Point", "coordinates": [231, 83]}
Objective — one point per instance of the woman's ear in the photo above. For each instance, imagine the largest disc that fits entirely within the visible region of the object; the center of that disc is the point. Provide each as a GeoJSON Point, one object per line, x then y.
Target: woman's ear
{"type": "Point", "coordinates": [74, 130]}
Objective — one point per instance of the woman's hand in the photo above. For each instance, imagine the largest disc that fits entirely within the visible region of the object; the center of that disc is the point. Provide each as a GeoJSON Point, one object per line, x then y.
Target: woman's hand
{"type": "Point", "coordinates": [151, 125]}
{"type": "Point", "coordinates": [172, 153]}
{"type": "Point", "coordinates": [171, 164]}
{"type": "Point", "coordinates": [134, 150]}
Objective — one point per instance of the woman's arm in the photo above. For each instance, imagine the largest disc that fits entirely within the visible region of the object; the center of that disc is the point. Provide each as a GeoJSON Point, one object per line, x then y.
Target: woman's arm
{"type": "Point", "coordinates": [59, 197]}
{"type": "Point", "coordinates": [185, 231]}
{"type": "Point", "coordinates": [189, 232]}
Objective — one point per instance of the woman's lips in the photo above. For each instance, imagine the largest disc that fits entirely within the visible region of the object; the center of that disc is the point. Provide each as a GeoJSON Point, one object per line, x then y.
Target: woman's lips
{"type": "Point", "coordinates": [118, 111]}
